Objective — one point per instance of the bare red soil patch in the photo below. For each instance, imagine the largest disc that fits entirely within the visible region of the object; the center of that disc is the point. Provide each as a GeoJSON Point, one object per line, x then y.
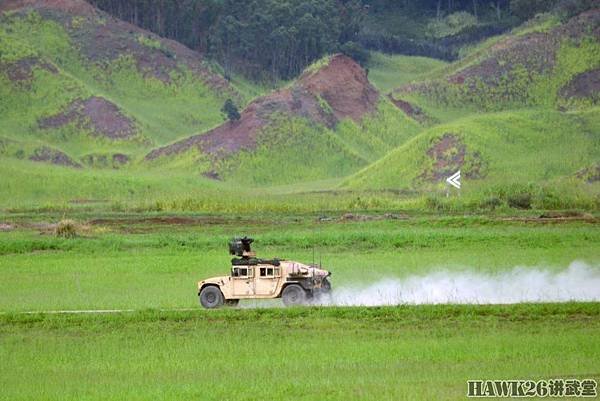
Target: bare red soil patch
{"type": "Point", "coordinates": [53, 156]}
{"type": "Point", "coordinates": [96, 114]}
{"type": "Point", "coordinates": [584, 85]}
{"type": "Point", "coordinates": [337, 91]}
{"type": "Point", "coordinates": [409, 109]}
{"type": "Point", "coordinates": [22, 70]}
{"type": "Point", "coordinates": [449, 154]}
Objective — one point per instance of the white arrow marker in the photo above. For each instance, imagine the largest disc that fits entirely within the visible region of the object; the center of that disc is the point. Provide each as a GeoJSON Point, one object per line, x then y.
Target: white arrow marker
{"type": "Point", "coordinates": [454, 180]}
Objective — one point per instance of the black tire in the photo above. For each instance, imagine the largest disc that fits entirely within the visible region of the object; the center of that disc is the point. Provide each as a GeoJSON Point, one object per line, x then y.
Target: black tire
{"type": "Point", "coordinates": [232, 302]}
{"type": "Point", "coordinates": [326, 286]}
{"type": "Point", "coordinates": [211, 297]}
{"type": "Point", "coordinates": [293, 295]}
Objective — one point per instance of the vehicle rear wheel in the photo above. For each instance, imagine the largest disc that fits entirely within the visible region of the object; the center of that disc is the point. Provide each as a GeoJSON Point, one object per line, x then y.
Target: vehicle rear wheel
{"type": "Point", "coordinates": [293, 295]}
{"type": "Point", "coordinates": [211, 297]}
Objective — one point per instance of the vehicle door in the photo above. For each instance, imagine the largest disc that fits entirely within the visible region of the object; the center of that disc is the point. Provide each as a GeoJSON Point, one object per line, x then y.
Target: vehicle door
{"type": "Point", "coordinates": [243, 281]}
{"type": "Point", "coordinates": [267, 278]}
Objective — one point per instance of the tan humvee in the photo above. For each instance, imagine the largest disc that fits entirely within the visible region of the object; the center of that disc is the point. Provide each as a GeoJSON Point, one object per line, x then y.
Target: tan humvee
{"type": "Point", "coordinates": [253, 278]}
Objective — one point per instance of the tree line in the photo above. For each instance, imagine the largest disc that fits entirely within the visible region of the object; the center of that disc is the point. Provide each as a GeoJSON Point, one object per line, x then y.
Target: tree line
{"type": "Point", "coordinates": [276, 39]}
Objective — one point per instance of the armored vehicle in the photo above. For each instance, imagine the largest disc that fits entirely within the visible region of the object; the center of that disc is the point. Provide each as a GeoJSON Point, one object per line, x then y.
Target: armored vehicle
{"type": "Point", "coordinates": [253, 278]}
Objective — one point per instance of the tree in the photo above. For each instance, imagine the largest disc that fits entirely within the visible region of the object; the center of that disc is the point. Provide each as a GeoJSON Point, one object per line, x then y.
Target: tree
{"type": "Point", "coordinates": [231, 110]}
{"type": "Point", "coordinates": [355, 52]}
{"type": "Point", "coordinates": [526, 9]}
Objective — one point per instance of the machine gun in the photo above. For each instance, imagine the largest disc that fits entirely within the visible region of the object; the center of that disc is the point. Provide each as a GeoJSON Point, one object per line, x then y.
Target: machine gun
{"type": "Point", "coordinates": [240, 246]}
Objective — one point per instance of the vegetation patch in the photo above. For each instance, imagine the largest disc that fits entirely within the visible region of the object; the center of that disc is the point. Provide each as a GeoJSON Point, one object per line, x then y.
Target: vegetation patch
{"type": "Point", "coordinates": [526, 68]}
{"type": "Point", "coordinates": [101, 160]}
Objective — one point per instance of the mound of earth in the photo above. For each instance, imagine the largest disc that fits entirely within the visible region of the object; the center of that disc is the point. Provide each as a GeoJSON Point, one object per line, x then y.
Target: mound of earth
{"type": "Point", "coordinates": [448, 154]}
{"type": "Point", "coordinates": [53, 156]}
{"type": "Point", "coordinates": [584, 85]}
{"type": "Point", "coordinates": [95, 114]}
{"type": "Point", "coordinates": [336, 91]}
{"type": "Point", "coordinates": [532, 54]}
{"type": "Point", "coordinates": [21, 71]}
{"type": "Point", "coordinates": [102, 38]}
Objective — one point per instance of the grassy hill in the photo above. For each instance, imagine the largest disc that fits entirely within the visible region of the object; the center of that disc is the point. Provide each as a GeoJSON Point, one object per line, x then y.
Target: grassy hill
{"type": "Point", "coordinates": [84, 85]}
{"type": "Point", "coordinates": [518, 114]}
{"type": "Point", "coordinates": [328, 123]}
{"type": "Point", "coordinates": [96, 111]}
{"type": "Point", "coordinates": [496, 153]}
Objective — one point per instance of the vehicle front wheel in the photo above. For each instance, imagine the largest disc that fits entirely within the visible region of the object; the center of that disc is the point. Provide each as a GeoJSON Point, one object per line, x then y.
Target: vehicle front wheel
{"type": "Point", "coordinates": [211, 297]}
{"type": "Point", "coordinates": [293, 295]}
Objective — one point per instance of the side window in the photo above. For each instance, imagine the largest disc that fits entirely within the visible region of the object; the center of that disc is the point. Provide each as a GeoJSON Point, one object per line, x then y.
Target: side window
{"type": "Point", "coordinates": [277, 272]}
{"type": "Point", "coordinates": [242, 272]}
{"type": "Point", "coordinates": [266, 272]}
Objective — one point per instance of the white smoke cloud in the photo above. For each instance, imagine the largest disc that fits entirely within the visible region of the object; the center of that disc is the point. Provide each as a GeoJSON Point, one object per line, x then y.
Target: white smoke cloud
{"type": "Point", "coordinates": [579, 282]}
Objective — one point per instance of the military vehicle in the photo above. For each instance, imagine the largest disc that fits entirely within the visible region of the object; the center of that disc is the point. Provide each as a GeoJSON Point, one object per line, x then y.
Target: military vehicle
{"type": "Point", "coordinates": [253, 278]}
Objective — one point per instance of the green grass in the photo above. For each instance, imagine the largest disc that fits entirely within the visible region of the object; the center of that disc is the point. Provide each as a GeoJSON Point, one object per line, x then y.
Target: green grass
{"type": "Point", "coordinates": [295, 150]}
{"type": "Point", "coordinates": [186, 106]}
{"type": "Point", "coordinates": [135, 264]}
{"type": "Point", "coordinates": [505, 142]}
{"type": "Point", "coordinates": [388, 72]}
{"type": "Point", "coordinates": [406, 353]}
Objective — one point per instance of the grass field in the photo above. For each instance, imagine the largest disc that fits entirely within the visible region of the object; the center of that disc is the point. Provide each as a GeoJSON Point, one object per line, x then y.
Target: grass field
{"type": "Point", "coordinates": [392, 353]}
{"type": "Point", "coordinates": [169, 348]}
{"type": "Point", "coordinates": [129, 263]}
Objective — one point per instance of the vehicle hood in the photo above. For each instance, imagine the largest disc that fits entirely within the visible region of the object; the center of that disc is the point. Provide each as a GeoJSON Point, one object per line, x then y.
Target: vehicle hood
{"type": "Point", "coordinates": [218, 280]}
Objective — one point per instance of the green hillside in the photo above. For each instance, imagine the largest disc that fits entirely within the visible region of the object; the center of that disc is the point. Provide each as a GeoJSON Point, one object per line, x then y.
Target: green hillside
{"type": "Point", "coordinates": [509, 120]}
{"type": "Point", "coordinates": [494, 152]}
{"type": "Point", "coordinates": [95, 109]}
{"type": "Point", "coordinates": [91, 87]}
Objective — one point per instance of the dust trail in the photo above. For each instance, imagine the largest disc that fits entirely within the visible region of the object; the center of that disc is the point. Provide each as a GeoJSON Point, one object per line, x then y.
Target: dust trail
{"type": "Point", "coordinates": [579, 282]}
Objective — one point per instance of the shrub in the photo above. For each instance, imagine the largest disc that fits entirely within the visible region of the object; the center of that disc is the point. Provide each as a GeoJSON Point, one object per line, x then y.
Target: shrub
{"type": "Point", "coordinates": [231, 110]}
{"type": "Point", "coordinates": [520, 200]}
{"type": "Point", "coordinates": [356, 52]}
{"type": "Point", "coordinates": [451, 25]}
{"type": "Point", "coordinates": [566, 9]}
{"type": "Point", "coordinates": [491, 203]}
{"type": "Point", "coordinates": [66, 228]}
